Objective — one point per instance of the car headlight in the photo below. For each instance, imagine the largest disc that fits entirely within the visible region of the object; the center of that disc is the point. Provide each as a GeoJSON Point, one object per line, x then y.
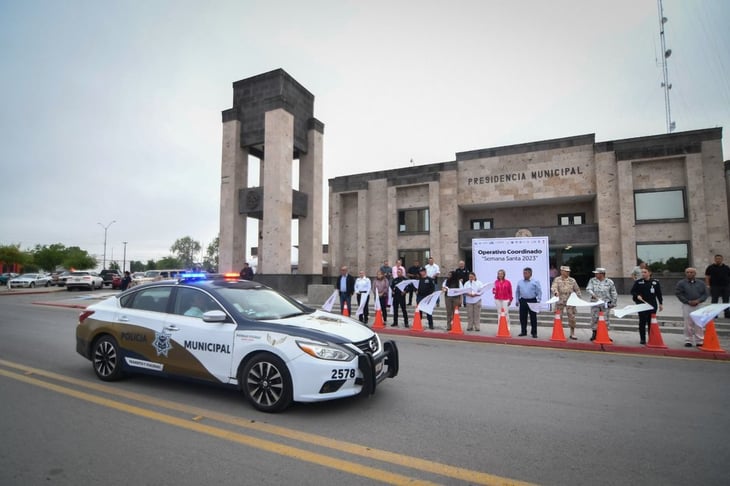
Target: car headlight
{"type": "Point", "coordinates": [332, 352]}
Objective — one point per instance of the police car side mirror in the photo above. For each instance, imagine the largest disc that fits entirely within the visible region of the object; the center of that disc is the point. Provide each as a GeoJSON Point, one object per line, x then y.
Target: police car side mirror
{"type": "Point", "coordinates": [214, 316]}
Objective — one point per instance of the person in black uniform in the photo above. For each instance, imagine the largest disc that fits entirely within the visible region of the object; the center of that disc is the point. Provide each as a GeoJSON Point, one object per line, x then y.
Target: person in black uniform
{"type": "Point", "coordinates": [399, 299]}
{"type": "Point", "coordinates": [426, 286]}
{"type": "Point", "coordinates": [412, 273]}
{"type": "Point", "coordinates": [717, 279]}
{"type": "Point", "coordinates": [647, 290]}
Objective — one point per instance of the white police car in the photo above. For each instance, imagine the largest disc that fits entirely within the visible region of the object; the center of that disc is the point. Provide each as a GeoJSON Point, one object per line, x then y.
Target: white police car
{"type": "Point", "coordinates": [238, 333]}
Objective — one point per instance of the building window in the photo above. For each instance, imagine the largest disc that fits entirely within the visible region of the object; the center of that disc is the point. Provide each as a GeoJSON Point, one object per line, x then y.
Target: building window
{"type": "Point", "coordinates": [664, 257]}
{"type": "Point", "coordinates": [482, 224]}
{"type": "Point", "coordinates": [410, 257]}
{"type": "Point", "coordinates": [571, 219]}
{"type": "Point", "coordinates": [660, 205]}
{"type": "Point", "coordinates": [413, 221]}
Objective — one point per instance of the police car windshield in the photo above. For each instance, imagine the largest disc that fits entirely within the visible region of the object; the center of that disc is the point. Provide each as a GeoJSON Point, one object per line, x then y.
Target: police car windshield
{"type": "Point", "coordinates": [262, 304]}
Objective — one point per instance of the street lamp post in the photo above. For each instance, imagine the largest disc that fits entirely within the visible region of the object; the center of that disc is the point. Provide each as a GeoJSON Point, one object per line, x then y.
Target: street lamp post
{"type": "Point", "coordinates": [124, 258]}
{"type": "Point", "coordinates": [103, 264]}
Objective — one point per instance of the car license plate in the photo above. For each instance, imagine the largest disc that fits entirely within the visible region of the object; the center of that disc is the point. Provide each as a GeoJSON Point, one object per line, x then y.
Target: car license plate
{"type": "Point", "coordinates": [378, 367]}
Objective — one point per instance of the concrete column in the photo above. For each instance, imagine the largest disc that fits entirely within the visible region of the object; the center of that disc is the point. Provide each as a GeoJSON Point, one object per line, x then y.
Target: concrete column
{"type": "Point", "coordinates": [275, 252]}
{"type": "Point", "coordinates": [234, 177]}
{"type": "Point", "coordinates": [334, 241]}
{"type": "Point", "coordinates": [609, 226]}
{"type": "Point", "coordinates": [434, 209]}
{"type": "Point", "coordinates": [627, 217]}
{"type": "Point", "coordinates": [696, 210]}
{"type": "Point", "coordinates": [362, 234]}
{"type": "Point", "coordinates": [391, 224]}
{"type": "Point", "coordinates": [310, 227]}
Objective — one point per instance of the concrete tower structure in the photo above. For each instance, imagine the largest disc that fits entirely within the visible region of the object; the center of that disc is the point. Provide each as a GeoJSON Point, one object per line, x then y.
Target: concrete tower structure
{"type": "Point", "coordinates": [272, 119]}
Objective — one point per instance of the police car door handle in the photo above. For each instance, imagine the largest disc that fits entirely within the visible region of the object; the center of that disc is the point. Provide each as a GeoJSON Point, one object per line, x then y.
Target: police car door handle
{"type": "Point", "coordinates": [172, 327]}
{"type": "Point", "coordinates": [124, 318]}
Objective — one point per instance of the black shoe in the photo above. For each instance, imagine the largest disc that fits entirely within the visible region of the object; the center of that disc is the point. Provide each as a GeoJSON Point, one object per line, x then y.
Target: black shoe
{"type": "Point", "coordinates": [522, 334]}
{"type": "Point", "coordinates": [395, 324]}
{"type": "Point", "coordinates": [535, 336]}
{"type": "Point", "coordinates": [644, 342]}
{"type": "Point", "coordinates": [593, 336]}
{"type": "Point", "coordinates": [406, 325]}
{"type": "Point", "coordinates": [687, 345]}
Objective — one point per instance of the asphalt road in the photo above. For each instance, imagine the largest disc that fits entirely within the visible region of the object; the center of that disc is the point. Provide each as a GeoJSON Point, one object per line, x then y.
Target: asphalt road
{"type": "Point", "coordinates": [458, 413]}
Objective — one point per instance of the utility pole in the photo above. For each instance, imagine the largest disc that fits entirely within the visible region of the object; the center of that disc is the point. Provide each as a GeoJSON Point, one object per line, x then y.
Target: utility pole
{"type": "Point", "coordinates": [124, 258]}
{"type": "Point", "coordinates": [665, 71]}
{"type": "Point", "coordinates": [103, 265]}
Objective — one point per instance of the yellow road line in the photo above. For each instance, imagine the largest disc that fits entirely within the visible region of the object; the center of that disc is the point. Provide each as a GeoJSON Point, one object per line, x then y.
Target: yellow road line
{"type": "Point", "coordinates": [266, 445]}
{"type": "Point", "coordinates": [474, 477]}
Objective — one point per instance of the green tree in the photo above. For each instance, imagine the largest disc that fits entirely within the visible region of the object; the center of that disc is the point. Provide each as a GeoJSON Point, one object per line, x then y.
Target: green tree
{"type": "Point", "coordinates": [185, 249]}
{"type": "Point", "coordinates": [114, 265]}
{"type": "Point", "coordinates": [211, 255]}
{"type": "Point", "coordinates": [49, 257]}
{"type": "Point", "coordinates": [11, 255]}
{"type": "Point", "coordinates": [151, 265]}
{"type": "Point", "coordinates": [136, 266]}
{"type": "Point", "coordinates": [78, 258]}
{"type": "Point", "coordinates": [169, 262]}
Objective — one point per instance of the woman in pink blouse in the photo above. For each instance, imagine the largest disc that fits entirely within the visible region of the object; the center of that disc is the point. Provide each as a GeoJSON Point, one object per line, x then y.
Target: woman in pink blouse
{"type": "Point", "coordinates": [502, 294]}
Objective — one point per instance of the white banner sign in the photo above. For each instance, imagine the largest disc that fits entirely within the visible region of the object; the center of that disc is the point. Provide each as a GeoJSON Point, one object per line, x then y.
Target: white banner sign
{"type": "Point", "coordinates": [511, 255]}
{"type": "Point", "coordinates": [704, 315]}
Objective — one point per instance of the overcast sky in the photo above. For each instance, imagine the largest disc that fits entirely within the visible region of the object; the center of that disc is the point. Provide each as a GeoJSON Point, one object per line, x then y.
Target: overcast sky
{"type": "Point", "coordinates": [112, 110]}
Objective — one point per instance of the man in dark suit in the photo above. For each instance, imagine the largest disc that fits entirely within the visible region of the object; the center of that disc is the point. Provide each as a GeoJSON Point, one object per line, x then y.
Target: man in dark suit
{"type": "Point", "coordinates": [345, 283]}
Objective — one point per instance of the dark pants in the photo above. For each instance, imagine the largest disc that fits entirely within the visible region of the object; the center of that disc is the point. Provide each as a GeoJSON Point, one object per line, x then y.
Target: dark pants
{"type": "Point", "coordinates": [429, 317]}
{"type": "Point", "coordinates": [644, 320]}
{"type": "Point", "coordinates": [384, 307]}
{"type": "Point", "coordinates": [718, 292]}
{"type": "Point", "coordinates": [345, 297]}
{"type": "Point", "coordinates": [410, 295]}
{"type": "Point", "coordinates": [524, 311]}
{"type": "Point", "coordinates": [364, 316]}
{"type": "Point", "coordinates": [399, 301]}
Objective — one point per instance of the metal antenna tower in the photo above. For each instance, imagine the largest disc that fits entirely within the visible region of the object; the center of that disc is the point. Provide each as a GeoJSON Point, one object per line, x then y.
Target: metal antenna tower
{"type": "Point", "coordinates": [665, 55]}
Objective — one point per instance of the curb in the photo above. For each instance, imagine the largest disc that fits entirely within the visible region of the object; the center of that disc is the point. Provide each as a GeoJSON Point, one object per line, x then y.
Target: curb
{"type": "Point", "coordinates": [542, 343]}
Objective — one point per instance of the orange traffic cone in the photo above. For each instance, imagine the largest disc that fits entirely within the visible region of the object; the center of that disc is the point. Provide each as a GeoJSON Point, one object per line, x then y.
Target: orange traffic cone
{"type": "Point", "coordinates": [655, 335]}
{"type": "Point", "coordinates": [456, 323]}
{"type": "Point", "coordinates": [602, 331]}
{"type": "Point", "coordinates": [558, 334]}
{"type": "Point", "coordinates": [379, 324]}
{"type": "Point", "coordinates": [417, 325]}
{"type": "Point", "coordinates": [345, 310]}
{"type": "Point", "coordinates": [503, 328]}
{"type": "Point", "coordinates": [711, 343]}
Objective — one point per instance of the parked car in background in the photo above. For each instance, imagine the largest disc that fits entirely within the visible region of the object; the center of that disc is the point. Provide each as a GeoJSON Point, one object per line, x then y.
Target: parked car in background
{"type": "Point", "coordinates": [116, 282]}
{"type": "Point", "coordinates": [107, 276]}
{"type": "Point", "coordinates": [59, 278]}
{"type": "Point", "coordinates": [84, 280]}
{"type": "Point", "coordinates": [7, 276]}
{"type": "Point", "coordinates": [31, 280]}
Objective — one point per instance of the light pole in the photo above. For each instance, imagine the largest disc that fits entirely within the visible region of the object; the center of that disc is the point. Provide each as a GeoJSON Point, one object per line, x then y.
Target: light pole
{"type": "Point", "coordinates": [124, 258]}
{"type": "Point", "coordinates": [103, 265]}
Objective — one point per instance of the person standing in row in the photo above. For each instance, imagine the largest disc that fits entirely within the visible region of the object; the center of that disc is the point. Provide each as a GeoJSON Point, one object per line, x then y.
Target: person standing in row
{"type": "Point", "coordinates": [691, 293]}
{"type": "Point", "coordinates": [381, 285]}
{"type": "Point", "coordinates": [362, 291]}
{"type": "Point", "coordinates": [452, 302]}
{"type": "Point", "coordinates": [399, 298]}
{"type": "Point", "coordinates": [345, 284]}
{"type": "Point", "coordinates": [462, 273]}
{"type": "Point", "coordinates": [396, 268]}
{"type": "Point", "coordinates": [426, 286]}
{"type": "Point", "coordinates": [433, 271]}
{"type": "Point", "coordinates": [502, 291]}
{"type": "Point", "coordinates": [386, 269]}
{"type": "Point", "coordinates": [646, 290]}
{"type": "Point", "coordinates": [412, 274]}
{"type": "Point", "coordinates": [528, 291]}
{"type": "Point", "coordinates": [126, 280]}
{"type": "Point", "coordinates": [717, 278]}
{"type": "Point", "coordinates": [473, 302]}
{"type": "Point", "coordinates": [562, 287]}
{"type": "Point", "coordinates": [601, 288]}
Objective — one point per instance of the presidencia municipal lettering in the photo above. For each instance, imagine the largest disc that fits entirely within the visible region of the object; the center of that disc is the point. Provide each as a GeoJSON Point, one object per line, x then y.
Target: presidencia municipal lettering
{"type": "Point", "coordinates": [528, 175]}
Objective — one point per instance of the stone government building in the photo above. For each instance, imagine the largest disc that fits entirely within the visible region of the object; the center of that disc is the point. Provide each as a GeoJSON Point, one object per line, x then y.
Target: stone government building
{"type": "Point", "coordinates": [662, 199]}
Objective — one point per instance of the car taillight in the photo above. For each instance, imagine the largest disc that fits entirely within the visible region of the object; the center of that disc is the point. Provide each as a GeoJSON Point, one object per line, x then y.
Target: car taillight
{"type": "Point", "coordinates": [84, 315]}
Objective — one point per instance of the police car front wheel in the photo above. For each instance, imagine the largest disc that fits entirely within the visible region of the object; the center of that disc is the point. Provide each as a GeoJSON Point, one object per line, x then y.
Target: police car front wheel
{"type": "Point", "coordinates": [106, 359]}
{"type": "Point", "coordinates": [266, 383]}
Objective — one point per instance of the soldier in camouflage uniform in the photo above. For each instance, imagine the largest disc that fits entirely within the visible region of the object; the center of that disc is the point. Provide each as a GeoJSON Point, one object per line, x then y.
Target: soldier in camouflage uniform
{"type": "Point", "coordinates": [561, 288]}
{"type": "Point", "coordinates": [601, 288]}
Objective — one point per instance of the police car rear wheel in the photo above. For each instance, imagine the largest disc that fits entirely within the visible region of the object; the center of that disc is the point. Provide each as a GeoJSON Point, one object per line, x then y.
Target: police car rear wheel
{"type": "Point", "coordinates": [106, 359]}
{"type": "Point", "coordinates": [266, 383]}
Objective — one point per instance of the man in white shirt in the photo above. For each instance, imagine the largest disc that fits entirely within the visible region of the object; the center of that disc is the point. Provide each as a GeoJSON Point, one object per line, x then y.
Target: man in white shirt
{"type": "Point", "coordinates": [362, 291]}
{"type": "Point", "coordinates": [432, 271]}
